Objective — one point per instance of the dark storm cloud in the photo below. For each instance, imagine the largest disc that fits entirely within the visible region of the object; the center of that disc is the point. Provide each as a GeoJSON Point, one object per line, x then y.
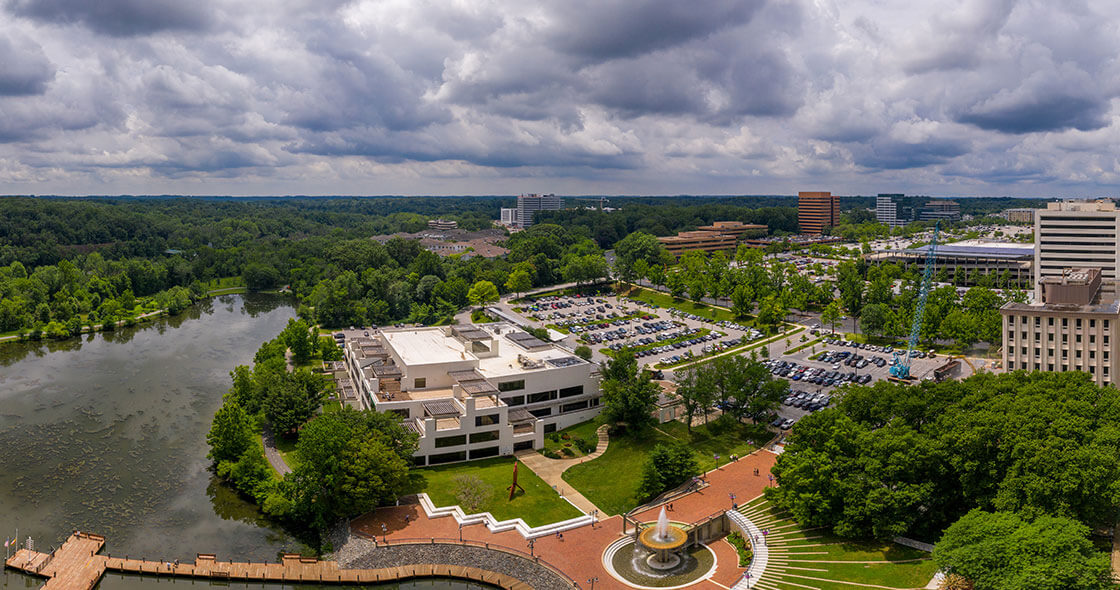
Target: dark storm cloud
{"type": "Point", "coordinates": [1048, 109]}
{"type": "Point", "coordinates": [119, 18]}
{"type": "Point", "coordinates": [609, 29]}
{"type": "Point", "coordinates": [24, 69]}
{"type": "Point", "coordinates": [888, 154]}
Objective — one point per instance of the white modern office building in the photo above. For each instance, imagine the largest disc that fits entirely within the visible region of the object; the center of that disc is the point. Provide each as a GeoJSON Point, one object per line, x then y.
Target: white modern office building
{"type": "Point", "coordinates": [473, 391]}
{"type": "Point", "coordinates": [509, 216]}
{"type": "Point", "coordinates": [886, 210]}
{"type": "Point", "coordinates": [527, 205]}
{"type": "Point", "coordinates": [1077, 234]}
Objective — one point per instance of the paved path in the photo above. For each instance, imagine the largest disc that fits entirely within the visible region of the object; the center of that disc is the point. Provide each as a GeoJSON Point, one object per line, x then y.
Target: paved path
{"type": "Point", "coordinates": [578, 552]}
{"type": "Point", "coordinates": [552, 470]}
{"type": "Point", "coordinates": [1116, 554]}
{"type": "Point", "coordinates": [272, 453]}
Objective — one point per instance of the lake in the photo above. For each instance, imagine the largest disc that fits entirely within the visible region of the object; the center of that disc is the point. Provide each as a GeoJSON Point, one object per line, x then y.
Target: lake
{"type": "Point", "coordinates": [107, 433]}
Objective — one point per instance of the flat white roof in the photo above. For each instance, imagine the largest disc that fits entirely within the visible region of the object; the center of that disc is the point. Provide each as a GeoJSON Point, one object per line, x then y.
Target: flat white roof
{"type": "Point", "coordinates": [425, 346]}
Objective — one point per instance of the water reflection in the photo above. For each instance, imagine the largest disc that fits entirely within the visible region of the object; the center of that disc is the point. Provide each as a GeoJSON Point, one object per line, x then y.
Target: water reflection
{"type": "Point", "coordinates": [106, 433]}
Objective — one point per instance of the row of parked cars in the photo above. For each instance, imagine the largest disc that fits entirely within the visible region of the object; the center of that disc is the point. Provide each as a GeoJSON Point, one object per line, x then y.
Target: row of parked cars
{"type": "Point", "coordinates": [622, 332]}
{"type": "Point", "coordinates": [603, 325]}
{"type": "Point", "coordinates": [823, 377]}
{"type": "Point", "coordinates": [851, 359]}
{"type": "Point", "coordinates": [808, 401]}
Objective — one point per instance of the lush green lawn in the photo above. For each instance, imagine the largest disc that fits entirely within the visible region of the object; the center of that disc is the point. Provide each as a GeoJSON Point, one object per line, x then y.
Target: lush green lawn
{"type": "Point", "coordinates": [668, 301]}
{"type": "Point", "coordinates": [287, 448]}
{"type": "Point", "coordinates": [538, 505]}
{"type": "Point", "coordinates": [599, 480]}
{"type": "Point", "coordinates": [822, 557]}
{"type": "Point", "coordinates": [584, 430]}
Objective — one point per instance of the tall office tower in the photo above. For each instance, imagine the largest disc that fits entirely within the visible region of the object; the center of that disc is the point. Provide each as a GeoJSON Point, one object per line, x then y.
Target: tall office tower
{"type": "Point", "coordinates": [886, 210]}
{"type": "Point", "coordinates": [527, 205]}
{"type": "Point", "coordinates": [1077, 234]}
{"type": "Point", "coordinates": [817, 211]}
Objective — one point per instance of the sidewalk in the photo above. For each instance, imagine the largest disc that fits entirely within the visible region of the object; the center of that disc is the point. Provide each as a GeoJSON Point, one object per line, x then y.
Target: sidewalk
{"type": "Point", "coordinates": [551, 471]}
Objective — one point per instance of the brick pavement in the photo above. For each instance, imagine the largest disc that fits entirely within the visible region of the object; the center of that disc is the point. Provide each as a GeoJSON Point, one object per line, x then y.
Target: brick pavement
{"type": "Point", "coordinates": [579, 553]}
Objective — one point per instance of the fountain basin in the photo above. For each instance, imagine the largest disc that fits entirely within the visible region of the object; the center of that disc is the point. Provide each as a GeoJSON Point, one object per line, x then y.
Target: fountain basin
{"type": "Point", "coordinates": [628, 562]}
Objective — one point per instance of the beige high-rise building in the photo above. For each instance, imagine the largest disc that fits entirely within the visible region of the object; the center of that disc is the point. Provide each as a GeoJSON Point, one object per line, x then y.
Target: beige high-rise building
{"type": "Point", "coordinates": [1078, 234]}
{"type": "Point", "coordinates": [1070, 330]}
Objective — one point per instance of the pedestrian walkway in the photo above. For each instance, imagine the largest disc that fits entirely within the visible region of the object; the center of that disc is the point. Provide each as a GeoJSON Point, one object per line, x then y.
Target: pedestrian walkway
{"type": "Point", "coordinates": [552, 471]}
{"type": "Point", "coordinates": [272, 453]}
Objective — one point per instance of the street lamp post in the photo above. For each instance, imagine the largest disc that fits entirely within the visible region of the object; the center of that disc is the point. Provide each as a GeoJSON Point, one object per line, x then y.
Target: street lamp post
{"type": "Point", "coordinates": [592, 582]}
{"type": "Point", "coordinates": [384, 533]}
{"type": "Point", "coordinates": [460, 532]}
{"type": "Point", "coordinates": [531, 541]}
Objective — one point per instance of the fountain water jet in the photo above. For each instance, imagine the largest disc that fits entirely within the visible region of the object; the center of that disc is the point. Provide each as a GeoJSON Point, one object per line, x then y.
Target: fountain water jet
{"type": "Point", "coordinates": [662, 541]}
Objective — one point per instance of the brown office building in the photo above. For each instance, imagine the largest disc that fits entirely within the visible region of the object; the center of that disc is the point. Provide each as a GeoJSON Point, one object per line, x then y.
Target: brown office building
{"type": "Point", "coordinates": [735, 228]}
{"type": "Point", "coordinates": [817, 211]}
{"type": "Point", "coordinates": [708, 241]}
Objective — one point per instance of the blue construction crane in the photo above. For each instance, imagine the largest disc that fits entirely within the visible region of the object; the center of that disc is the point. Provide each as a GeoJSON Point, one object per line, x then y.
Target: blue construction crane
{"type": "Point", "coordinates": [900, 368]}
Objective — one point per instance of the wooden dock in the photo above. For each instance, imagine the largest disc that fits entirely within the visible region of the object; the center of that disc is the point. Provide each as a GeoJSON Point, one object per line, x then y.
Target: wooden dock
{"type": "Point", "coordinates": [77, 565]}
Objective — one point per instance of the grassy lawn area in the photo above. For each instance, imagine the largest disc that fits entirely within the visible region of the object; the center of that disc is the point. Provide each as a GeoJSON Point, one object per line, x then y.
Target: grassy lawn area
{"type": "Point", "coordinates": [538, 505]}
{"type": "Point", "coordinates": [599, 479]}
{"type": "Point", "coordinates": [332, 405]}
{"type": "Point", "coordinates": [584, 430]}
{"type": "Point", "coordinates": [668, 301]}
{"type": "Point", "coordinates": [288, 453]}
{"type": "Point", "coordinates": [813, 557]}
{"type": "Point", "coordinates": [481, 317]}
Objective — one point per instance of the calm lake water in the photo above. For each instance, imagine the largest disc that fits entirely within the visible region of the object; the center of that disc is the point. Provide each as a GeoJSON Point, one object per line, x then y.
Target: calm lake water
{"type": "Point", "coordinates": [107, 434]}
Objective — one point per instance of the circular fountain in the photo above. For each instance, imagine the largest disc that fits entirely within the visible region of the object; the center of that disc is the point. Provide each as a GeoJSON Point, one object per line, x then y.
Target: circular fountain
{"type": "Point", "coordinates": [659, 557]}
{"type": "Point", "coordinates": [662, 541]}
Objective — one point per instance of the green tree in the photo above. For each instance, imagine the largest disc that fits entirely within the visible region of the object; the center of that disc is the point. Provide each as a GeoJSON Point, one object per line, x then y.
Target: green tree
{"type": "Point", "coordinates": [519, 281]}
{"type": "Point", "coordinates": [297, 336]}
{"type": "Point", "coordinates": [629, 395]}
{"type": "Point", "coordinates": [666, 467]}
{"type": "Point", "coordinates": [231, 433]}
{"type": "Point", "coordinates": [1001, 551]}
{"type": "Point", "coordinates": [850, 284]}
{"type": "Point", "coordinates": [695, 392]}
{"type": "Point", "coordinates": [291, 399]}
{"type": "Point", "coordinates": [634, 247]}
{"type": "Point", "coordinates": [830, 316]}
{"type": "Point", "coordinates": [742, 300]}
{"type": "Point", "coordinates": [350, 462]}
{"type": "Point", "coordinates": [584, 352]}
{"type": "Point", "coordinates": [875, 319]}
{"type": "Point", "coordinates": [482, 293]}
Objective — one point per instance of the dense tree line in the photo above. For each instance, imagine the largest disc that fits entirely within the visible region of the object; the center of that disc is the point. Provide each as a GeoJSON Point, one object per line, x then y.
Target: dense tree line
{"type": "Point", "coordinates": [349, 462]}
{"type": "Point", "coordinates": [912, 460]}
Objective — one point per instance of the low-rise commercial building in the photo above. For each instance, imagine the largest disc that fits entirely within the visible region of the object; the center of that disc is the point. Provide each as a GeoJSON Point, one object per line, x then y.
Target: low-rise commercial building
{"type": "Point", "coordinates": [941, 210]}
{"type": "Point", "coordinates": [1069, 330]}
{"type": "Point", "coordinates": [964, 262]}
{"type": "Point", "coordinates": [735, 228]}
{"type": "Point", "coordinates": [1022, 215]}
{"type": "Point", "coordinates": [720, 235]}
{"type": "Point", "coordinates": [473, 391]}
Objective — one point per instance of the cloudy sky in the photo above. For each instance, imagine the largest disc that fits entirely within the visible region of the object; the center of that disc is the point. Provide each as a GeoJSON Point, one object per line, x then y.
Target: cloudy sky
{"type": "Point", "coordinates": [943, 97]}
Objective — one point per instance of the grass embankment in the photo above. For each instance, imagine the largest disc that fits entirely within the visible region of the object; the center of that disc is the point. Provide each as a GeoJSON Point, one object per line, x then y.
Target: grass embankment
{"type": "Point", "coordinates": [601, 482]}
{"type": "Point", "coordinates": [703, 310]}
{"type": "Point", "coordinates": [813, 557]}
{"type": "Point", "coordinates": [538, 505]}
{"type": "Point", "coordinates": [803, 346]}
{"type": "Point", "coordinates": [697, 360]}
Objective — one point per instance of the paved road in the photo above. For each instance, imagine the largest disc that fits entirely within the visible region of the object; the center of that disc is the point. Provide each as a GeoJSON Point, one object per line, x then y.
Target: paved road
{"type": "Point", "coordinates": [272, 453]}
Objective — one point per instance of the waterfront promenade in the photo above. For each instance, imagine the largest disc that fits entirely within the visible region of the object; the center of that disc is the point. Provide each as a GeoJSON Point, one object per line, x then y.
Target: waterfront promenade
{"type": "Point", "coordinates": [78, 565]}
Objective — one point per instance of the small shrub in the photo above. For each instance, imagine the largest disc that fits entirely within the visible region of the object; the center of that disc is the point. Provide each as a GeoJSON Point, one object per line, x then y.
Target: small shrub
{"type": "Point", "coordinates": [471, 492]}
{"type": "Point", "coordinates": [551, 454]}
{"type": "Point", "coordinates": [566, 436]}
{"type": "Point", "coordinates": [568, 452]}
{"type": "Point", "coordinates": [742, 547]}
{"type": "Point", "coordinates": [554, 437]}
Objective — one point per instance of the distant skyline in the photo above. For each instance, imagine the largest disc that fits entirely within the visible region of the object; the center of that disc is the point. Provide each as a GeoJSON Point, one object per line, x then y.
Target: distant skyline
{"type": "Point", "coordinates": [575, 97]}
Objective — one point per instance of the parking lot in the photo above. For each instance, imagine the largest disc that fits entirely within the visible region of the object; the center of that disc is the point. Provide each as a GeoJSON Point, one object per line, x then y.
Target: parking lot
{"type": "Point", "coordinates": [657, 335]}
{"type": "Point", "coordinates": [837, 362]}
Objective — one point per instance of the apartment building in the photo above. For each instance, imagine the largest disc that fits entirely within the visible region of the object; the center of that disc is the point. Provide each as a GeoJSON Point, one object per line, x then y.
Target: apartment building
{"type": "Point", "coordinates": [527, 205]}
{"type": "Point", "coordinates": [442, 224]}
{"type": "Point", "coordinates": [473, 391]}
{"type": "Point", "coordinates": [1078, 233]}
{"type": "Point", "coordinates": [817, 211]}
{"type": "Point", "coordinates": [1069, 330]}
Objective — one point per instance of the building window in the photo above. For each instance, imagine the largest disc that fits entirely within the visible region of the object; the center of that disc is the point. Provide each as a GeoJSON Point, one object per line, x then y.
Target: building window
{"type": "Point", "coordinates": [451, 441]}
{"type": "Point", "coordinates": [1023, 365]}
{"type": "Point", "coordinates": [1037, 351]}
{"type": "Point", "coordinates": [1092, 323]}
{"type": "Point", "coordinates": [543, 396]}
{"type": "Point", "coordinates": [1023, 351]}
{"type": "Point", "coordinates": [447, 458]}
{"type": "Point", "coordinates": [1010, 335]}
{"type": "Point", "coordinates": [479, 437]}
{"type": "Point", "coordinates": [1078, 338]}
{"type": "Point", "coordinates": [549, 428]}
{"type": "Point", "coordinates": [571, 391]}
{"type": "Point", "coordinates": [512, 385]}
{"type": "Point", "coordinates": [1078, 355]}
{"type": "Point", "coordinates": [1077, 322]}
{"type": "Point", "coordinates": [1106, 326]}
{"type": "Point", "coordinates": [1050, 367]}
{"type": "Point", "coordinates": [1092, 338]}
{"type": "Point", "coordinates": [574, 406]}
{"type": "Point", "coordinates": [1037, 337]}
{"type": "Point", "coordinates": [488, 451]}
{"type": "Point", "coordinates": [485, 420]}
{"type": "Point", "coordinates": [420, 382]}
{"type": "Point", "coordinates": [541, 412]}
{"type": "Point", "coordinates": [1065, 322]}
{"type": "Point", "coordinates": [1092, 369]}
{"type": "Point", "coordinates": [1105, 341]}
{"type": "Point", "coordinates": [1092, 354]}
{"type": "Point", "coordinates": [1049, 321]}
